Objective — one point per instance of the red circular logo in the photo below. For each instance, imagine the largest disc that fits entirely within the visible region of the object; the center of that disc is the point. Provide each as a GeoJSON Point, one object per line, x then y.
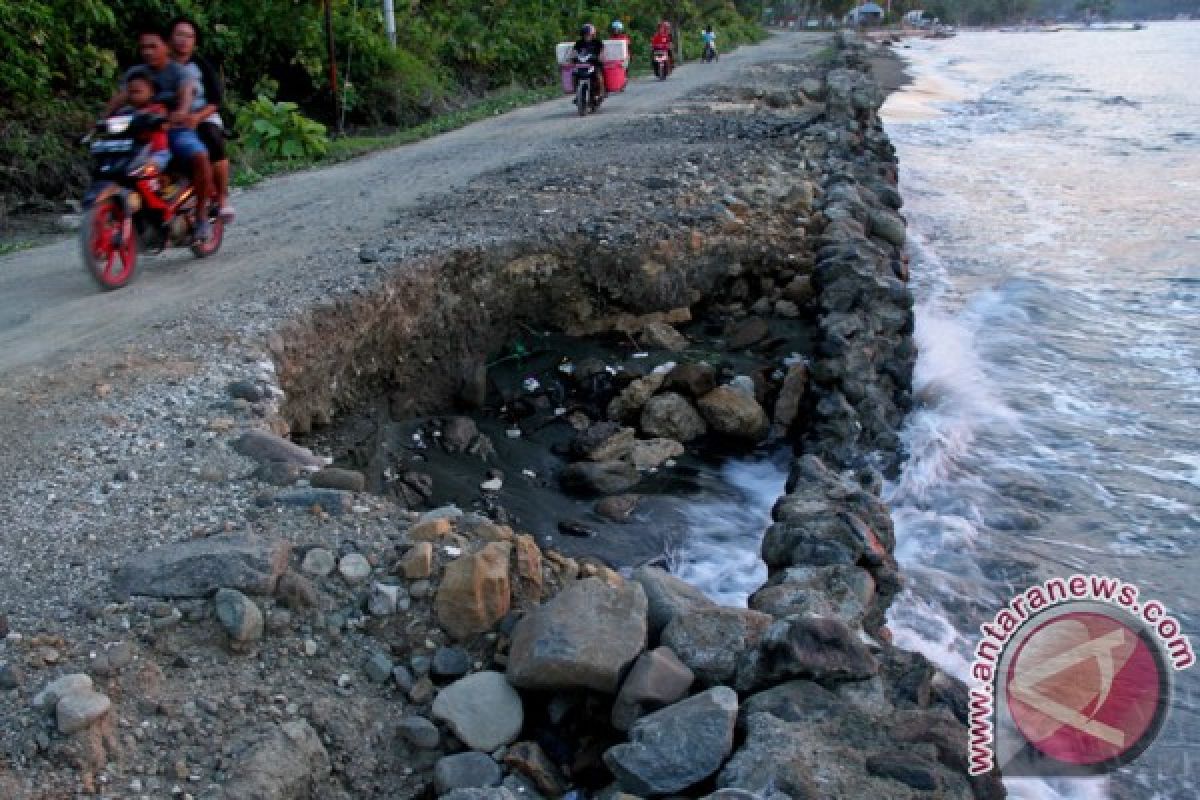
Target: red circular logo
{"type": "Point", "coordinates": [1084, 688]}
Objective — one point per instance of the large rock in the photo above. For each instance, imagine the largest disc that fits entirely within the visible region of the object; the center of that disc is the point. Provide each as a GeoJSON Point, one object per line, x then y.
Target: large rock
{"type": "Point", "coordinates": [600, 477]}
{"type": "Point", "coordinates": [657, 680]}
{"type": "Point", "coordinates": [605, 441]}
{"type": "Point", "coordinates": [677, 747]}
{"type": "Point", "coordinates": [667, 597]}
{"type": "Point", "coordinates": [475, 592]}
{"type": "Point", "coordinates": [584, 638]}
{"type": "Point", "coordinates": [287, 763]}
{"type": "Point", "coordinates": [349, 480]}
{"type": "Point", "coordinates": [842, 591]}
{"type": "Point", "coordinates": [627, 406]}
{"type": "Point", "coordinates": [483, 710]}
{"type": "Point", "coordinates": [671, 416]}
{"type": "Point", "coordinates": [733, 413]}
{"type": "Point", "coordinates": [888, 225]}
{"type": "Point", "coordinates": [661, 336]}
{"type": "Point", "coordinates": [529, 759]}
{"type": "Point", "coordinates": [748, 332]}
{"type": "Point", "coordinates": [466, 771]}
{"type": "Point", "coordinates": [787, 405]}
{"type": "Point", "coordinates": [653, 453]}
{"type": "Point", "coordinates": [78, 710]}
{"type": "Point", "coordinates": [60, 687]}
{"type": "Point", "coordinates": [241, 619]}
{"type": "Point", "coordinates": [198, 567]}
{"type": "Point", "coordinates": [812, 646]}
{"type": "Point", "coordinates": [265, 447]}
{"type": "Point", "coordinates": [716, 642]}
{"type": "Point", "coordinates": [693, 380]}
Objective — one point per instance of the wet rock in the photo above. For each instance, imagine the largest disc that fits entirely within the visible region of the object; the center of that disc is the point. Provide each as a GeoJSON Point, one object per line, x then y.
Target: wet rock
{"type": "Point", "coordinates": [747, 333]}
{"type": "Point", "coordinates": [241, 619]}
{"type": "Point", "coordinates": [530, 760]}
{"type": "Point", "coordinates": [617, 507]}
{"type": "Point", "coordinates": [450, 662]}
{"type": "Point", "coordinates": [732, 413]}
{"type": "Point", "coordinates": [800, 701]}
{"type": "Point", "coordinates": [483, 710]}
{"type": "Point", "coordinates": [661, 336]}
{"type": "Point", "coordinates": [48, 698]}
{"type": "Point", "coordinates": [466, 771]}
{"type": "Point", "coordinates": [658, 679]}
{"type": "Point", "coordinates": [474, 594]}
{"type": "Point", "coordinates": [418, 561]}
{"type": "Point", "coordinates": [604, 441]}
{"type": "Point", "coordinates": [334, 478]}
{"type": "Point", "coordinates": [667, 597]}
{"type": "Point", "coordinates": [653, 453]}
{"type": "Point", "coordinates": [199, 567]}
{"type": "Point", "coordinates": [677, 747]}
{"type": "Point", "coordinates": [840, 591]}
{"type": "Point", "coordinates": [714, 642]}
{"type": "Point", "coordinates": [527, 584]}
{"type": "Point", "coordinates": [787, 406]}
{"type": "Point", "coordinates": [692, 380]}
{"type": "Point", "coordinates": [419, 732]}
{"type": "Point", "coordinates": [80, 709]}
{"type": "Point", "coordinates": [811, 646]}
{"type": "Point", "coordinates": [287, 762]}
{"type": "Point", "coordinates": [265, 447]}
{"type": "Point", "coordinates": [627, 406]}
{"type": "Point", "coordinates": [585, 637]}
{"type": "Point", "coordinates": [671, 416]}
{"type": "Point", "coordinates": [599, 477]}
{"type": "Point", "coordinates": [354, 568]}
{"type": "Point", "coordinates": [887, 225]}
{"type": "Point", "coordinates": [458, 433]}
{"type": "Point", "coordinates": [800, 290]}
{"type": "Point", "coordinates": [318, 562]}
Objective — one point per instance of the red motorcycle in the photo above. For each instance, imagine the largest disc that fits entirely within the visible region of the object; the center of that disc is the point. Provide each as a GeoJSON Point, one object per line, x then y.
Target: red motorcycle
{"type": "Point", "coordinates": [132, 204]}
{"type": "Point", "coordinates": [662, 63]}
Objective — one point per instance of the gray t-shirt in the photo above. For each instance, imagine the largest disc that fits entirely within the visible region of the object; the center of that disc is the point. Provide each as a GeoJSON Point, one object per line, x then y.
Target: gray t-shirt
{"type": "Point", "coordinates": [168, 82]}
{"type": "Point", "coordinates": [199, 100]}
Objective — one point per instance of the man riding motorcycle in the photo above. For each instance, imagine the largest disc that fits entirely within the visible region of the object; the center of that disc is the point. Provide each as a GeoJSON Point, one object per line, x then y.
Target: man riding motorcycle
{"type": "Point", "coordinates": [591, 48]}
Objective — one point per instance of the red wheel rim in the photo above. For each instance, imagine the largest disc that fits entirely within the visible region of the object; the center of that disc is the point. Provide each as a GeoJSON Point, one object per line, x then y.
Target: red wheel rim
{"type": "Point", "coordinates": [112, 244]}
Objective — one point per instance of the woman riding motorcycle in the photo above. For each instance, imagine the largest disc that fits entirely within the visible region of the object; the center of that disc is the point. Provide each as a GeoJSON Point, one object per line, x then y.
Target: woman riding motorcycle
{"type": "Point", "coordinates": [662, 40]}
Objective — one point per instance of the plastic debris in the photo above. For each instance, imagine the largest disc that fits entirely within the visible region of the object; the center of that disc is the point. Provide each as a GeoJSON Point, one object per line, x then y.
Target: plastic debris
{"type": "Point", "coordinates": [493, 485]}
{"type": "Point", "coordinates": [531, 384]}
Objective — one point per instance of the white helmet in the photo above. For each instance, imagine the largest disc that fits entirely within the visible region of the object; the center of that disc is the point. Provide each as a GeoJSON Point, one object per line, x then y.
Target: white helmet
{"type": "Point", "coordinates": [617, 26]}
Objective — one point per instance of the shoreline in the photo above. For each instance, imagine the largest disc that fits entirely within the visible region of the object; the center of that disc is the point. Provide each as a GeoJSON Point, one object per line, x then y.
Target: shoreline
{"type": "Point", "coordinates": [789, 663]}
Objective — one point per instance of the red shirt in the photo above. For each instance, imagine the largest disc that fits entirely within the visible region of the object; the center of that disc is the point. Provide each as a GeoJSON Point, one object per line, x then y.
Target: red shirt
{"type": "Point", "coordinates": [661, 41]}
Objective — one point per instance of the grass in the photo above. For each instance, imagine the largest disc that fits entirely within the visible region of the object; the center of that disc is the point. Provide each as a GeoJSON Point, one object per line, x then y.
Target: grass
{"type": "Point", "coordinates": [8, 248]}
{"type": "Point", "coordinates": [248, 171]}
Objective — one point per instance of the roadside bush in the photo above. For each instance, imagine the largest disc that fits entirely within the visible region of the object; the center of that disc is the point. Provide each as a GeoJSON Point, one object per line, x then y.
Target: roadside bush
{"type": "Point", "coordinates": [280, 131]}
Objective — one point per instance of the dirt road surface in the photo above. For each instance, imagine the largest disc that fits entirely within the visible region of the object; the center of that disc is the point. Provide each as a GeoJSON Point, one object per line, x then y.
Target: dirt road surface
{"type": "Point", "coordinates": [50, 310]}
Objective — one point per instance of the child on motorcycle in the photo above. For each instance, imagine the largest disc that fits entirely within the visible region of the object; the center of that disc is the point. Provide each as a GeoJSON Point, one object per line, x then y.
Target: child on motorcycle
{"type": "Point", "coordinates": [139, 96]}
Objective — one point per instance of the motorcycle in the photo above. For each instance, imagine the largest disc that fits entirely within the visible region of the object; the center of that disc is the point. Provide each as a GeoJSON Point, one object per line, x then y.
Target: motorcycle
{"type": "Point", "coordinates": [131, 204]}
{"type": "Point", "coordinates": [710, 53]}
{"type": "Point", "coordinates": [584, 76]}
{"type": "Point", "coordinates": [662, 63]}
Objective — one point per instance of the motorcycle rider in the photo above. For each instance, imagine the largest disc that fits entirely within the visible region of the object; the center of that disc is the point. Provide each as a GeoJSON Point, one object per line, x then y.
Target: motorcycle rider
{"type": "Point", "coordinates": [710, 41]}
{"type": "Point", "coordinates": [175, 90]}
{"type": "Point", "coordinates": [617, 32]}
{"type": "Point", "coordinates": [663, 40]}
{"type": "Point", "coordinates": [590, 45]}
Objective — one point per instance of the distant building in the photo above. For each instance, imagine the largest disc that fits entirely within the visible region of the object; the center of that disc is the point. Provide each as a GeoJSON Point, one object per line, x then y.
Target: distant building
{"type": "Point", "coordinates": [864, 15]}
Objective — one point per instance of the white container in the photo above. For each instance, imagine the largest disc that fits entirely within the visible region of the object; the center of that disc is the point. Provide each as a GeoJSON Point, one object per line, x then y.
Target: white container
{"type": "Point", "coordinates": [562, 51]}
{"type": "Point", "coordinates": [614, 50]}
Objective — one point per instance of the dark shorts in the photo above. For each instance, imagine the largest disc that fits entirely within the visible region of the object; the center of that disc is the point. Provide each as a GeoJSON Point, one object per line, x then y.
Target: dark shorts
{"type": "Point", "coordinates": [213, 137]}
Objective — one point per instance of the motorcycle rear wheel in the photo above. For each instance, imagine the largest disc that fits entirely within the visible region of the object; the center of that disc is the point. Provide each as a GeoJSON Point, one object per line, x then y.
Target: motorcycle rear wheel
{"type": "Point", "coordinates": [108, 242]}
{"type": "Point", "coordinates": [214, 242]}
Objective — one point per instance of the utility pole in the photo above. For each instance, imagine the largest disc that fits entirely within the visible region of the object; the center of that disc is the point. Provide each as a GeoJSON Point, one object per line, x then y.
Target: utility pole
{"type": "Point", "coordinates": [389, 21]}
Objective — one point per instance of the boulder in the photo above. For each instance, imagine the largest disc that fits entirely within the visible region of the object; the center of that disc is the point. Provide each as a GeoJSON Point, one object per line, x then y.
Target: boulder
{"type": "Point", "coordinates": [475, 591]}
{"type": "Point", "coordinates": [677, 747]}
{"type": "Point", "coordinates": [265, 447]}
{"type": "Point", "coordinates": [671, 416]}
{"type": "Point", "coordinates": [812, 646]}
{"type": "Point", "coordinates": [599, 477]}
{"type": "Point", "coordinates": [618, 507]}
{"type": "Point", "coordinates": [716, 642]}
{"type": "Point", "coordinates": [692, 380]}
{"type": "Point", "coordinates": [627, 405]}
{"type": "Point", "coordinates": [470, 770]}
{"type": "Point", "coordinates": [198, 567]}
{"type": "Point", "coordinates": [887, 225]}
{"type": "Point", "coordinates": [667, 597]}
{"type": "Point", "coordinates": [747, 333]}
{"type": "Point", "coordinates": [657, 680]}
{"type": "Point", "coordinates": [661, 336]}
{"type": "Point", "coordinates": [288, 762]}
{"type": "Point", "coordinates": [527, 585]}
{"type": "Point", "coordinates": [417, 563]}
{"type": "Point", "coordinates": [840, 591]}
{"type": "Point", "coordinates": [240, 618]}
{"type": "Point", "coordinates": [60, 687]}
{"type": "Point", "coordinates": [80, 709]}
{"type": "Point", "coordinates": [736, 414]}
{"type": "Point", "coordinates": [653, 453]}
{"type": "Point", "coordinates": [604, 441]}
{"type": "Point", "coordinates": [458, 433]}
{"type": "Point", "coordinates": [335, 478]}
{"type": "Point", "coordinates": [483, 710]}
{"type": "Point", "coordinates": [787, 405]}
{"type": "Point", "coordinates": [586, 637]}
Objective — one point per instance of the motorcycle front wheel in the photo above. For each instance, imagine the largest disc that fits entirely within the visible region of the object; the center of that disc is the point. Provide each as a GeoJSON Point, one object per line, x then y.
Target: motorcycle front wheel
{"type": "Point", "coordinates": [108, 240]}
{"type": "Point", "coordinates": [583, 99]}
{"type": "Point", "coordinates": [214, 242]}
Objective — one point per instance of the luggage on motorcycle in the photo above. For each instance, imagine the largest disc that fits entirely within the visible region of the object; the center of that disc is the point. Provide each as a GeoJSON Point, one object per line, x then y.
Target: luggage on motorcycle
{"type": "Point", "coordinates": [614, 76]}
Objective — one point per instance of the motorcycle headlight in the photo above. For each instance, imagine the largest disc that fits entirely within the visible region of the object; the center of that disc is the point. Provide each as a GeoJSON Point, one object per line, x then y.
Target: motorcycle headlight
{"type": "Point", "coordinates": [117, 125]}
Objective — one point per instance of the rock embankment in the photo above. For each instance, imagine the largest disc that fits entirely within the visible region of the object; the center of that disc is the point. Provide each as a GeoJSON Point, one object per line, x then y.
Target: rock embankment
{"type": "Point", "coordinates": [315, 641]}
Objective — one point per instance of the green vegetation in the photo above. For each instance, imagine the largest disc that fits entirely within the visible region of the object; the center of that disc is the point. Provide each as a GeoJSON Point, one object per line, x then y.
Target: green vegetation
{"type": "Point", "coordinates": [62, 58]}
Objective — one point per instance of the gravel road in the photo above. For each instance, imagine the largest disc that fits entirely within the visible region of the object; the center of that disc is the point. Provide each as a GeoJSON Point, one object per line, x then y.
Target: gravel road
{"type": "Point", "coordinates": [50, 311]}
